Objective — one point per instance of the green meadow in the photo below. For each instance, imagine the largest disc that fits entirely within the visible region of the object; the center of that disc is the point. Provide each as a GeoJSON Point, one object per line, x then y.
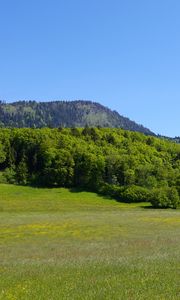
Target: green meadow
{"type": "Point", "coordinates": [60, 244]}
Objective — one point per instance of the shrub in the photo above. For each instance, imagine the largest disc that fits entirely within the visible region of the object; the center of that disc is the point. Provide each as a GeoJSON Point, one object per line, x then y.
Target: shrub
{"type": "Point", "coordinates": [135, 193]}
{"type": "Point", "coordinates": [10, 175]}
{"type": "Point", "coordinates": [111, 190]}
{"type": "Point", "coordinates": [127, 194]}
{"type": "Point", "coordinates": [166, 197]}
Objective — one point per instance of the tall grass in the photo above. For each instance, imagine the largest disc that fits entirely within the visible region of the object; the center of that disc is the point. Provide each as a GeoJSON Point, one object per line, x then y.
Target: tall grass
{"type": "Point", "coordinates": [61, 244]}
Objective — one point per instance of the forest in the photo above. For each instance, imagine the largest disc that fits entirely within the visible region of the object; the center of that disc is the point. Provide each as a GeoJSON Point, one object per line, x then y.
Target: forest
{"type": "Point", "coordinates": [56, 114]}
{"type": "Point", "coordinates": [128, 166]}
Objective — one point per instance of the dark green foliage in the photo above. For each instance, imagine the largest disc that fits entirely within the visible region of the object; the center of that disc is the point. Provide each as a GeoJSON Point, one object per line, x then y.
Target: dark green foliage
{"type": "Point", "coordinates": [2, 154]}
{"type": "Point", "coordinates": [59, 171]}
{"type": "Point", "coordinates": [165, 198]}
{"type": "Point", "coordinates": [10, 175]}
{"type": "Point", "coordinates": [112, 190]}
{"type": "Point", "coordinates": [64, 114]}
{"type": "Point", "coordinates": [135, 194]}
{"type": "Point", "coordinates": [129, 166]}
{"type": "Point", "coordinates": [21, 172]}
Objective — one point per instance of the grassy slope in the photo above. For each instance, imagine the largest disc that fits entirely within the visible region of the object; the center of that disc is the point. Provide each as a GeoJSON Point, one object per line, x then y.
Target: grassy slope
{"type": "Point", "coordinates": [57, 244]}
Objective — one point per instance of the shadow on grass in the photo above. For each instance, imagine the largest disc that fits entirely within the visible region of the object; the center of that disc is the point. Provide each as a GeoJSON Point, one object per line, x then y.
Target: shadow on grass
{"type": "Point", "coordinates": [159, 208]}
{"type": "Point", "coordinates": [149, 206]}
{"type": "Point", "coordinates": [79, 190]}
{"type": "Point", "coordinates": [82, 190]}
{"type": "Point", "coordinates": [111, 198]}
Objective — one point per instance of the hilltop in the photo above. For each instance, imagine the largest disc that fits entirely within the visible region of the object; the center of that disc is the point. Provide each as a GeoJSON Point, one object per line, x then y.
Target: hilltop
{"type": "Point", "coordinates": [64, 114]}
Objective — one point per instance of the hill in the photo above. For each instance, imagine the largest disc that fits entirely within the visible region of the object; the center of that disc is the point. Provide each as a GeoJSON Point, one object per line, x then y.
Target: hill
{"type": "Point", "coordinates": [64, 114]}
{"type": "Point", "coordinates": [129, 166]}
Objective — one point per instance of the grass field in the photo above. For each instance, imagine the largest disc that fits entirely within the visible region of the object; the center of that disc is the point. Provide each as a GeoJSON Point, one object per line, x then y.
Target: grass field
{"type": "Point", "coordinates": [60, 244]}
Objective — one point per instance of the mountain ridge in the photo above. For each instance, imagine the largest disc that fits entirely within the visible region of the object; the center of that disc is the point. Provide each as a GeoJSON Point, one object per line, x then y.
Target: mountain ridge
{"type": "Point", "coordinates": [75, 113]}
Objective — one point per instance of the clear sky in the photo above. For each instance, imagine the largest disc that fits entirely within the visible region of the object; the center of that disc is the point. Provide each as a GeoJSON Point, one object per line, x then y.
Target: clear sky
{"type": "Point", "coordinates": [123, 54]}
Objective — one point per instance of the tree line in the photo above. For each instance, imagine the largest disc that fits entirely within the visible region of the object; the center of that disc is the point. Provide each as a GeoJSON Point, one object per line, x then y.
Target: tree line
{"type": "Point", "coordinates": [129, 166]}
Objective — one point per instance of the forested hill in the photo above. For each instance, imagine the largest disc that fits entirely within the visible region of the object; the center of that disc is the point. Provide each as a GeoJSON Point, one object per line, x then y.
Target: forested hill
{"type": "Point", "coordinates": [127, 165]}
{"type": "Point", "coordinates": [64, 114]}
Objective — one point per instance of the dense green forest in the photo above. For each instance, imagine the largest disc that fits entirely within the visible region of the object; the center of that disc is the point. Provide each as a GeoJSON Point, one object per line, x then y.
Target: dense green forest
{"type": "Point", "coordinates": [129, 166]}
{"type": "Point", "coordinates": [64, 114]}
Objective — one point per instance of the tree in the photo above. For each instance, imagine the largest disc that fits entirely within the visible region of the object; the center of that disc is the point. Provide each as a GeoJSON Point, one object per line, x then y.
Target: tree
{"type": "Point", "coordinates": [2, 154]}
{"type": "Point", "coordinates": [22, 172]}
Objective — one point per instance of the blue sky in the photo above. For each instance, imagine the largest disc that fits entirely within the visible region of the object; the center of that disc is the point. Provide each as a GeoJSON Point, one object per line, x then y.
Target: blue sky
{"type": "Point", "coordinates": [123, 54]}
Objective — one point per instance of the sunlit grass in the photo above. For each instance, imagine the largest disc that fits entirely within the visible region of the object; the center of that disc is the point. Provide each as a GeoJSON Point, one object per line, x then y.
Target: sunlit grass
{"type": "Point", "coordinates": [61, 244]}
